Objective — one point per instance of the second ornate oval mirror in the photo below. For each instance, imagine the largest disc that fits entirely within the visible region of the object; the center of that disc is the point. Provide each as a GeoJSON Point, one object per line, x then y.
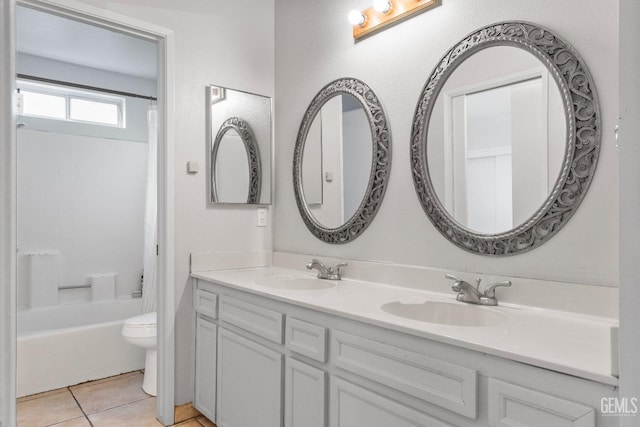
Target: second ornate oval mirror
{"type": "Point", "coordinates": [240, 146]}
{"type": "Point", "coordinates": [341, 161]}
{"type": "Point", "coordinates": [505, 139]}
{"type": "Point", "coordinates": [235, 164]}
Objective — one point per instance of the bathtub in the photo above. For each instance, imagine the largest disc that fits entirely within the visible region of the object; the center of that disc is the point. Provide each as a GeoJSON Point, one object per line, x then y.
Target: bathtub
{"type": "Point", "coordinates": [69, 344]}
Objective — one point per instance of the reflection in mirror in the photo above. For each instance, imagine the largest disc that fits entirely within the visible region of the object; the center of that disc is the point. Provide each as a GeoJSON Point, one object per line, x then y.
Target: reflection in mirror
{"type": "Point", "coordinates": [496, 139]}
{"type": "Point", "coordinates": [505, 139]}
{"type": "Point", "coordinates": [233, 170]}
{"type": "Point", "coordinates": [336, 162]}
{"type": "Point", "coordinates": [341, 161]}
{"type": "Point", "coordinates": [239, 126]}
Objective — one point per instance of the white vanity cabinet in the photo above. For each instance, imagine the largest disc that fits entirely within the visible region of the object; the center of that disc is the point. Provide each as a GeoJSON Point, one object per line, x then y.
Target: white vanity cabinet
{"type": "Point", "coordinates": [249, 383]}
{"type": "Point", "coordinates": [269, 362]}
{"type": "Point", "coordinates": [206, 304]}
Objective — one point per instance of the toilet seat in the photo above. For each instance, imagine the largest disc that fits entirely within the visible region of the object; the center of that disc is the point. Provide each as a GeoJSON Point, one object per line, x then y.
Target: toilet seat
{"type": "Point", "coordinates": [144, 325]}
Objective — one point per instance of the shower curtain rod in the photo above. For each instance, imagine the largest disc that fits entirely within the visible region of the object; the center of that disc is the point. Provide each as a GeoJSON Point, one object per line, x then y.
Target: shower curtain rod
{"type": "Point", "coordinates": [79, 86]}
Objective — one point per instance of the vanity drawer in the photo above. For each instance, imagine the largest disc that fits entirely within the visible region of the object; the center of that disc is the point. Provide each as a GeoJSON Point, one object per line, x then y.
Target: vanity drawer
{"type": "Point", "coordinates": [440, 383]}
{"type": "Point", "coordinates": [306, 338]}
{"type": "Point", "coordinates": [206, 303]}
{"type": "Point", "coordinates": [511, 405]}
{"type": "Point", "coordinates": [253, 318]}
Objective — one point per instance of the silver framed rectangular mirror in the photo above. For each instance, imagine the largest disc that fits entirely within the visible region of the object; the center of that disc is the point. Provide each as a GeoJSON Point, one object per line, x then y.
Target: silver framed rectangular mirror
{"type": "Point", "coordinates": [239, 140]}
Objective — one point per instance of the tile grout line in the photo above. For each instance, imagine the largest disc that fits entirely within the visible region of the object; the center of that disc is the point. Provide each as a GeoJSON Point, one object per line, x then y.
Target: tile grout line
{"type": "Point", "coordinates": [80, 406]}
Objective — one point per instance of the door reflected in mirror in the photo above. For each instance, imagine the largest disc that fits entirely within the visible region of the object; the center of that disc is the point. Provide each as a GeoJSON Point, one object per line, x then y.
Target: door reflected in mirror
{"type": "Point", "coordinates": [336, 161]}
{"type": "Point", "coordinates": [496, 139]}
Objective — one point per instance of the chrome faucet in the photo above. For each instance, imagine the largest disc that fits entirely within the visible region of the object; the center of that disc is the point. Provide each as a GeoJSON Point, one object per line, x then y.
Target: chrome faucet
{"type": "Point", "coordinates": [324, 272]}
{"type": "Point", "coordinates": [467, 293]}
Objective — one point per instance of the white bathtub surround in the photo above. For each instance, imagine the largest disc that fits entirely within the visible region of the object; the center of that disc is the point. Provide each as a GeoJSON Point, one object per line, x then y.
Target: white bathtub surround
{"type": "Point", "coordinates": [150, 257]}
{"type": "Point", "coordinates": [103, 286]}
{"type": "Point", "coordinates": [84, 197]}
{"type": "Point", "coordinates": [225, 260]}
{"type": "Point", "coordinates": [56, 349]}
{"type": "Point", "coordinates": [575, 344]}
{"type": "Point", "coordinates": [42, 278]}
{"type": "Point", "coordinates": [578, 298]}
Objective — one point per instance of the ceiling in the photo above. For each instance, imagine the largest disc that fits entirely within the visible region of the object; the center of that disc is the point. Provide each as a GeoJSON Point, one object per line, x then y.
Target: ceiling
{"type": "Point", "coordinates": [63, 39]}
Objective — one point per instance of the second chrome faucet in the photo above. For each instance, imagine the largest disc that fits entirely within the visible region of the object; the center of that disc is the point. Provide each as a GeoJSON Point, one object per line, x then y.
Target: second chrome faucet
{"type": "Point", "coordinates": [324, 272]}
{"type": "Point", "coordinates": [470, 294]}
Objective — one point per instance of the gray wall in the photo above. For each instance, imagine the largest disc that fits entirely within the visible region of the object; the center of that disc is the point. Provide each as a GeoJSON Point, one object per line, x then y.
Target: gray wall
{"type": "Point", "coordinates": [396, 63]}
{"type": "Point", "coordinates": [7, 217]}
{"type": "Point", "coordinates": [629, 147]}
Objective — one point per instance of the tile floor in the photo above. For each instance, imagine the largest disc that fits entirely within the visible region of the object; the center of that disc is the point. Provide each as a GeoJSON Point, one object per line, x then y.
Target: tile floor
{"type": "Point", "coordinates": [111, 402]}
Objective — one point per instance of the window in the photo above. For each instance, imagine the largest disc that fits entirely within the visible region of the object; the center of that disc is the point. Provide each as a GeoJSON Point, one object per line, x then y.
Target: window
{"type": "Point", "coordinates": [73, 105]}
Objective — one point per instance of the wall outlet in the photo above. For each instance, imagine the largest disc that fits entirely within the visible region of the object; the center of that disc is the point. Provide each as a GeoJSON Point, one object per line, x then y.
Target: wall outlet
{"type": "Point", "coordinates": [261, 220]}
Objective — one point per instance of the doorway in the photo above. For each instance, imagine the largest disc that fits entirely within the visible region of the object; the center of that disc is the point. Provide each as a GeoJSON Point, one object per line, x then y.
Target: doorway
{"type": "Point", "coordinates": [163, 39]}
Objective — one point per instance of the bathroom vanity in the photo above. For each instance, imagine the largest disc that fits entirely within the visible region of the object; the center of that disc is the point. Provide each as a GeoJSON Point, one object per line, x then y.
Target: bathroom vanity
{"type": "Point", "coordinates": [279, 347]}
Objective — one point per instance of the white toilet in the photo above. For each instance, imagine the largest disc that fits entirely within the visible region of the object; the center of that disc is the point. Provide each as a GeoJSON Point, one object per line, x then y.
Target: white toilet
{"type": "Point", "coordinates": [141, 331]}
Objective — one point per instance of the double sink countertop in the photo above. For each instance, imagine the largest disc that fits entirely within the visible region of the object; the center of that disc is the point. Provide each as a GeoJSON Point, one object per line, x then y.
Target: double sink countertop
{"type": "Point", "coordinates": [569, 343]}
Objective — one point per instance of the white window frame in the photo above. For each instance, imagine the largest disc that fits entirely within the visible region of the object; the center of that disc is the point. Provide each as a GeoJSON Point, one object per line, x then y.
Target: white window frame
{"type": "Point", "coordinates": [68, 94]}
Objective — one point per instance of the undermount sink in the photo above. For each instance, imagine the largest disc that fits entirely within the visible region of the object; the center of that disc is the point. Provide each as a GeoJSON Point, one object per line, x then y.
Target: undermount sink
{"type": "Point", "coordinates": [445, 313]}
{"type": "Point", "coordinates": [295, 283]}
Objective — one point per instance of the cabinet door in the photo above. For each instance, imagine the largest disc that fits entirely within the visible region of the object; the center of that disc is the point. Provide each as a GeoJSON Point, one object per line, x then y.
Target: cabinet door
{"type": "Point", "coordinates": [249, 383]}
{"type": "Point", "coordinates": [205, 396]}
{"type": "Point", "coordinates": [355, 406]}
{"type": "Point", "coordinates": [304, 404]}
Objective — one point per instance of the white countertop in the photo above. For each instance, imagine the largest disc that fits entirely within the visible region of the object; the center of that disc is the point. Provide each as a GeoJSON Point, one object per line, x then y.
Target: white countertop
{"type": "Point", "coordinates": [564, 342]}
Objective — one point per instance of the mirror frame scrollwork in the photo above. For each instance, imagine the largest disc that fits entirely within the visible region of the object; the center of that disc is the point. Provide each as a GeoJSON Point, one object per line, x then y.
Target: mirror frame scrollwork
{"type": "Point", "coordinates": [253, 156]}
{"type": "Point", "coordinates": [583, 136]}
{"type": "Point", "coordinates": [380, 165]}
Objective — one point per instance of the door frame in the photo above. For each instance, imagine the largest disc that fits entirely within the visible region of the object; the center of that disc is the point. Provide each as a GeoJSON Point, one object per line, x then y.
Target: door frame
{"type": "Point", "coordinates": [166, 193]}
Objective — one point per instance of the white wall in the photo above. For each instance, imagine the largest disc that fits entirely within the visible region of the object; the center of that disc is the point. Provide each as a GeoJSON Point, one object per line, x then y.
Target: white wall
{"type": "Point", "coordinates": [228, 44]}
{"type": "Point", "coordinates": [84, 197]}
{"type": "Point", "coordinates": [314, 45]}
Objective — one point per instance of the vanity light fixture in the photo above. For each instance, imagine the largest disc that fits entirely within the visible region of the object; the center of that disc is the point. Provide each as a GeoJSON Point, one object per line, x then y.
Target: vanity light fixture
{"type": "Point", "coordinates": [357, 18]}
{"type": "Point", "coordinates": [382, 6]}
{"type": "Point", "coordinates": [385, 13]}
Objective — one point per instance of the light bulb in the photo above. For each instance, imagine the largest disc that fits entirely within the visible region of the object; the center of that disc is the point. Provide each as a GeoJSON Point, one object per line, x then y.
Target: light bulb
{"type": "Point", "coordinates": [356, 17]}
{"type": "Point", "coordinates": [382, 6]}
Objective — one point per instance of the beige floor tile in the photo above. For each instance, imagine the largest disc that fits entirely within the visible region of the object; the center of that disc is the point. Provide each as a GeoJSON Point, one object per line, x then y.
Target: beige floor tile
{"type": "Point", "coordinates": [101, 395]}
{"type": "Point", "coordinates": [106, 380]}
{"type": "Point", "coordinates": [138, 414]}
{"type": "Point", "coordinates": [76, 422]}
{"type": "Point", "coordinates": [185, 412]}
{"type": "Point", "coordinates": [44, 394]}
{"type": "Point", "coordinates": [49, 409]}
{"type": "Point", "coordinates": [205, 422]}
{"type": "Point", "coordinates": [190, 423]}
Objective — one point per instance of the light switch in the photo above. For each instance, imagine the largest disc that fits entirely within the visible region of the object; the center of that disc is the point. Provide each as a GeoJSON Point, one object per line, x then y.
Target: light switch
{"type": "Point", "coordinates": [328, 176]}
{"type": "Point", "coordinates": [192, 167]}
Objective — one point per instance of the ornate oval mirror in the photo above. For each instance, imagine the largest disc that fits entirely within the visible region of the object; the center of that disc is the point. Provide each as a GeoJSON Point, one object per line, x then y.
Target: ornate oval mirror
{"type": "Point", "coordinates": [505, 139]}
{"type": "Point", "coordinates": [342, 160]}
{"type": "Point", "coordinates": [235, 164]}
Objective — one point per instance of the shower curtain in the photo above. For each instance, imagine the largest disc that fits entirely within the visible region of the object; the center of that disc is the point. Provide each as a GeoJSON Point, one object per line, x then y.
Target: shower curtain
{"type": "Point", "coordinates": [151, 216]}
